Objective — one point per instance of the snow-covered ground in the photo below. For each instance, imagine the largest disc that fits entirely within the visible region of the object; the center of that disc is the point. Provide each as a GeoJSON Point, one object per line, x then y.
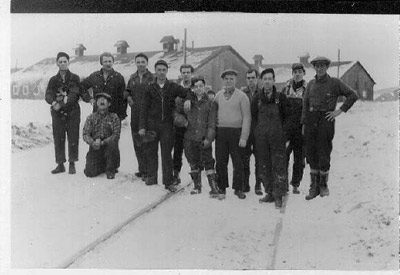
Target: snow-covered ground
{"type": "Point", "coordinates": [355, 228]}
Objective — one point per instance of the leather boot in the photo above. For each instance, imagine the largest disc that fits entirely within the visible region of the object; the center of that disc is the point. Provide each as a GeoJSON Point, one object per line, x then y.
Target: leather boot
{"type": "Point", "coordinates": [151, 181]}
{"type": "Point", "coordinates": [59, 169]}
{"type": "Point", "coordinates": [268, 198]}
{"type": "Point", "coordinates": [314, 186]}
{"type": "Point", "coordinates": [213, 185]}
{"type": "Point", "coordinates": [72, 169]}
{"type": "Point", "coordinates": [257, 188]}
{"type": "Point", "coordinates": [323, 183]}
{"type": "Point", "coordinates": [196, 177]}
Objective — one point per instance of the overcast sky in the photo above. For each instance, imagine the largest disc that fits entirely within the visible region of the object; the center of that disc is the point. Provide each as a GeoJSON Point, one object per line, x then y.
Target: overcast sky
{"type": "Point", "coordinates": [280, 38]}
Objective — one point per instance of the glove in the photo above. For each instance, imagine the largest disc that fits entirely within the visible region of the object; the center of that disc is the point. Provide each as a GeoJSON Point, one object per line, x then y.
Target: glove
{"type": "Point", "coordinates": [205, 143]}
{"type": "Point", "coordinates": [142, 132]}
{"type": "Point", "coordinates": [242, 143]}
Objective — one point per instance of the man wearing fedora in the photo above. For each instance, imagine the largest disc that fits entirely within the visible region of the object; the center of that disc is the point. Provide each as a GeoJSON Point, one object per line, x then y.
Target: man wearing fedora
{"type": "Point", "coordinates": [318, 117]}
{"type": "Point", "coordinates": [156, 115]}
{"type": "Point", "coordinates": [102, 132]}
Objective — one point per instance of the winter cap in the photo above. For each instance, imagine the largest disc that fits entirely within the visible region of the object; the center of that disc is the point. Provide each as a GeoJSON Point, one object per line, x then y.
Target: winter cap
{"type": "Point", "coordinates": [266, 71]}
{"type": "Point", "coordinates": [61, 54]}
{"type": "Point", "coordinates": [142, 55]}
{"type": "Point", "coordinates": [229, 72]}
{"type": "Point", "coordinates": [297, 66]}
{"type": "Point", "coordinates": [161, 62]}
{"type": "Point", "coordinates": [321, 59]}
{"type": "Point", "coordinates": [102, 95]}
{"type": "Point", "coordinates": [198, 78]}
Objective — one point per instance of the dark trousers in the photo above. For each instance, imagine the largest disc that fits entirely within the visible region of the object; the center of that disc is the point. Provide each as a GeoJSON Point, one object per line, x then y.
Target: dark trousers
{"type": "Point", "coordinates": [227, 144]}
{"type": "Point", "coordinates": [250, 150]}
{"type": "Point", "coordinates": [139, 152]}
{"type": "Point", "coordinates": [296, 144]}
{"type": "Point", "coordinates": [165, 136]}
{"type": "Point", "coordinates": [178, 147]}
{"type": "Point", "coordinates": [319, 134]}
{"type": "Point", "coordinates": [66, 126]}
{"type": "Point", "coordinates": [197, 156]}
{"type": "Point", "coordinates": [104, 159]}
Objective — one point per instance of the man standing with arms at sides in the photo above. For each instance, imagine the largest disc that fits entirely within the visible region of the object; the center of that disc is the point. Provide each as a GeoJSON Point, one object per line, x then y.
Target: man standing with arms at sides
{"type": "Point", "coordinates": [62, 94]}
{"type": "Point", "coordinates": [107, 81]}
{"type": "Point", "coordinates": [294, 91]}
{"type": "Point", "coordinates": [156, 115]}
{"type": "Point", "coordinates": [134, 93]}
{"type": "Point", "coordinates": [233, 129]}
{"type": "Point", "coordinates": [318, 118]}
{"type": "Point", "coordinates": [186, 73]}
{"type": "Point", "coordinates": [251, 90]}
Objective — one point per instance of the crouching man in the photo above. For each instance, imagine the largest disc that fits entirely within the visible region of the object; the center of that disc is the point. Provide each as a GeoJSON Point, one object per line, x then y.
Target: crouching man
{"type": "Point", "coordinates": [102, 131]}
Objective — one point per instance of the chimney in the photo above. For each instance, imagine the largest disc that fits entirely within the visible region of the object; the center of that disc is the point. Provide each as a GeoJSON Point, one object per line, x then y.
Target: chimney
{"type": "Point", "coordinates": [170, 44]}
{"type": "Point", "coordinates": [303, 58]}
{"type": "Point", "coordinates": [258, 58]}
{"type": "Point", "coordinates": [79, 50]}
{"type": "Point", "coordinates": [122, 47]}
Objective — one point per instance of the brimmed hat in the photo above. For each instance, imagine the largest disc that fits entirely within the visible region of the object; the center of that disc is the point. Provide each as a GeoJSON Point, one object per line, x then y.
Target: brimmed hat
{"type": "Point", "coordinates": [321, 59]}
{"type": "Point", "coordinates": [161, 62]}
{"type": "Point", "coordinates": [96, 96]}
{"type": "Point", "coordinates": [229, 72]}
{"type": "Point", "coordinates": [297, 66]}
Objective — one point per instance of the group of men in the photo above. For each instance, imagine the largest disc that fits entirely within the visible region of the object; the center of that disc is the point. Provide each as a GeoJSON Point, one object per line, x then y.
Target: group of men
{"type": "Point", "coordinates": [257, 120]}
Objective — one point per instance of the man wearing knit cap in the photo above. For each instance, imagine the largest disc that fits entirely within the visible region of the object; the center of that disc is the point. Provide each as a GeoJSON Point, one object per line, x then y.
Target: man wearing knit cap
{"type": "Point", "coordinates": [294, 91]}
{"type": "Point", "coordinates": [233, 129]}
{"type": "Point", "coordinates": [156, 115]}
{"type": "Point", "coordinates": [318, 117]}
{"type": "Point", "coordinates": [62, 94]}
{"type": "Point", "coordinates": [269, 110]}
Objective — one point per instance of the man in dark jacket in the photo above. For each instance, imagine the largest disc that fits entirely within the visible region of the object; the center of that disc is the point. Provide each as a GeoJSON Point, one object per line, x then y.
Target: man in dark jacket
{"type": "Point", "coordinates": [62, 94]}
{"type": "Point", "coordinates": [156, 115]}
{"type": "Point", "coordinates": [251, 90]}
{"type": "Point", "coordinates": [134, 93]}
{"type": "Point", "coordinates": [318, 117]}
{"type": "Point", "coordinates": [269, 110]}
{"type": "Point", "coordinates": [294, 91]}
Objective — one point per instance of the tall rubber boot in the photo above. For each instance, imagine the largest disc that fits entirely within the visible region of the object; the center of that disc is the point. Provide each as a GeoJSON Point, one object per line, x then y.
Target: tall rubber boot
{"type": "Point", "coordinates": [323, 183]}
{"type": "Point", "coordinates": [314, 186]}
{"type": "Point", "coordinates": [213, 185]}
{"type": "Point", "coordinates": [196, 177]}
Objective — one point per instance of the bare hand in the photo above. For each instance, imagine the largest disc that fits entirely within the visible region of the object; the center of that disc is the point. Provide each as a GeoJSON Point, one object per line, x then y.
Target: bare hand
{"type": "Point", "coordinates": [96, 144]}
{"type": "Point", "coordinates": [330, 116]}
{"type": "Point", "coordinates": [187, 105]}
{"type": "Point", "coordinates": [287, 144]}
{"type": "Point", "coordinates": [303, 129]}
{"type": "Point", "coordinates": [206, 143]}
{"type": "Point", "coordinates": [57, 107]}
{"type": "Point", "coordinates": [65, 99]}
{"type": "Point", "coordinates": [142, 132]}
{"type": "Point", "coordinates": [92, 101]}
{"type": "Point", "coordinates": [130, 101]}
{"type": "Point", "coordinates": [242, 143]}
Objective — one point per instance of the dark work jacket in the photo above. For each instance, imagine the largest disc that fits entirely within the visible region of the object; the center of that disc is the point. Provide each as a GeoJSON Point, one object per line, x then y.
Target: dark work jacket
{"type": "Point", "coordinates": [136, 89]}
{"type": "Point", "coordinates": [114, 85]}
{"type": "Point", "coordinates": [71, 85]}
{"type": "Point", "coordinates": [295, 106]}
{"type": "Point", "coordinates": [158, 103]}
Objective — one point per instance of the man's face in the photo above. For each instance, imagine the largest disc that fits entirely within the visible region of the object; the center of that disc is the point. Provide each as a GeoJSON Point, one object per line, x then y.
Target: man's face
{"type": "Point", "coordinates": [107, 63]}
{"type": "Point", "coordinates": [186, 74]}
{"type": "Point", "coordinates": [298, 75]}
{"type": "Point", "coordinates": [199, 88]}
{"type": "Point", "coordinates": [251, 79]}
{"type": "Point", "coordinates": [141, 63]}
{"type": "Point", "coordinates": [230, 81]}
{"type": "Point", "coordinates": [161, 72]}
{"type": "Point", "coordinates": [268, 80]}
{"type": "Point", "coordinates": [320, 68]}
{"type": "Point", "coordinates": [63, 63]}
{"type": "Point", "coordinates": [102, 103]}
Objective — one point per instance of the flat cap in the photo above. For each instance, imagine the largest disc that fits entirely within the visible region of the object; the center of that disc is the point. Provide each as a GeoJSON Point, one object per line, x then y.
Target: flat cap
{"type": "Point", "coordinates": [321, 59]}
{"type": "Point", "coordinates": [161, 62]}
{"type": "Point", "coordinates": [297, 66]}
{"type": "Point", "coordinates": [62, 54]}
{"type": "Point", "coordinates": [229, 72]}
{"type": "Point", "coordinates": [96, 96]}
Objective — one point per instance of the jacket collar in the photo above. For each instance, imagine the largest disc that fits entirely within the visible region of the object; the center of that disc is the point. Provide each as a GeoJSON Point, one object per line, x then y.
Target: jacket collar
{"type": "Point", "coordinates": [146, 73]}
{"type": "Point", "coordinates": [325, 78]}
{"type": "Point", "coordinates": [273, 96]}
{"type": "Point", "coordinates": [67, 76]}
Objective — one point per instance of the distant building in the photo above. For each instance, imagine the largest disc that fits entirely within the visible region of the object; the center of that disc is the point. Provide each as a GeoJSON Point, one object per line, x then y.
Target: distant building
{"type": "Point", "coordinates": [350, 72]}
{"type": "Point", "coordinates": [209, 62]}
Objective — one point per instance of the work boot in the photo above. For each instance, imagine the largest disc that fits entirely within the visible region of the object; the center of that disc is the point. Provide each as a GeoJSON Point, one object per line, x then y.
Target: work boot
{"type": "Point", "coordinates": [278, 202]}
{"type": "Point", "coordinates": [221, 193]}
{"type": "Point", "coordinates": [172, 187]}
{"type": "Point", "coordinates": [59, 169]}
{"type": "Point", "coordinates": [177, 179]}
{"type": "Point", "coordinates": [110, 175]}
{"type": "Point", "coordinates": [314, 186]}
{"type": "Point", "coordinates": [72, 169]}
{"type": "Point", "coordinates": [257, 188]}
{"type": "Point", "coordinates": [323, 184]}
{"type": "Point", "coordinates": [196, 177]}
{"type": "Point", "coordinates": [138, 174]}
{"type": "Point", "coordinates": [213, 185]}
{"type": "Point", "coordinates": [144, 176]}
{"type": "Point", "coordinates": [240, 194]}
{"type": "Point", "coordinates": [151, 181]}
{"type": "Point", "coordinates": [268, 198]}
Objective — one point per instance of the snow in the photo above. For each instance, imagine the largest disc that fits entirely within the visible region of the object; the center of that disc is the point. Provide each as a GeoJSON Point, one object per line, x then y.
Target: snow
{"type": "Point", "coordinates": [55, 216]}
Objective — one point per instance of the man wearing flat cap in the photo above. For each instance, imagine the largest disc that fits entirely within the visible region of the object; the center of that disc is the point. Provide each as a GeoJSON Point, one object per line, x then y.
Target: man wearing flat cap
{"type": "Point", "coordinates": [294, 91]}
{"type": "Point", "coordinates": [102, 132]}
{"type": "Point", "coordinates": [318, 117]}
{"type": "Point", "coordinates": [62, 94]}
{"type": "Point", "coordinates": [233, 129]}
{"type": "Point", "coordinates": [156, 115]}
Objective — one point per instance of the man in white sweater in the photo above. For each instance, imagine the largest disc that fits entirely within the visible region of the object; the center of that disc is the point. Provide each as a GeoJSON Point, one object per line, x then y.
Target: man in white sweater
{"type": "Point", "coordinates": [233, 128]}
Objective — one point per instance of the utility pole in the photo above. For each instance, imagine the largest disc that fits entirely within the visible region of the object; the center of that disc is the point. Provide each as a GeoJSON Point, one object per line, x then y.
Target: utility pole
{"type": "Point", "coordinates": [338, 56]}
{"type": "Point", "coordinates": [184, 48]}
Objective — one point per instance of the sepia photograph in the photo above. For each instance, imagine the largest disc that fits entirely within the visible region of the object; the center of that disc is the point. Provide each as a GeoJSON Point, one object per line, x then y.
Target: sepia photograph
{"type": "Point", "coordinates": [203, 142]}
